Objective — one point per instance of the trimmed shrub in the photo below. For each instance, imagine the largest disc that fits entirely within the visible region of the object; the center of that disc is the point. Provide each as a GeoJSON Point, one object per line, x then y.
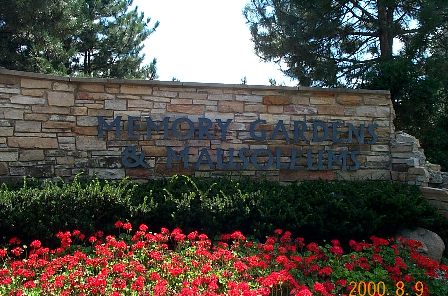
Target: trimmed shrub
{"type": "Point", "coordinates": [316, 210]}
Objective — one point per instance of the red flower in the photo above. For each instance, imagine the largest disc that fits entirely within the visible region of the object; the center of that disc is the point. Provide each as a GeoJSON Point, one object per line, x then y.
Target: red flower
{"type": "Point", "coordinates": [127, 226]}
{"type": "Point", "coordinates": [318, 287]}
{"type": "Point", "coordinates": [143, 228]}
{"type": "Point", "coordinates": [36, 244]}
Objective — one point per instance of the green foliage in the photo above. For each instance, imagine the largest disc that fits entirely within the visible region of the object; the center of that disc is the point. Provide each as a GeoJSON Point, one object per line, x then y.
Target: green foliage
{"type": "Point", "coordinates": [316, 210]}
{"type": "Point", "coordinates": [75, 37]}
{"type": "Point", "coordinates": [34, 211]}
{"type": "Point", "coordinates": [354, 44]}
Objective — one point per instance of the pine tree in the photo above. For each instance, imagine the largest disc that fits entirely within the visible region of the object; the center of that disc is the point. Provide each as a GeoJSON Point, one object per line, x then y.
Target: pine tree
{"type": "Point", "coordinates": [99, 38]}
{"type": "Point", "coordinates": [338, 42]}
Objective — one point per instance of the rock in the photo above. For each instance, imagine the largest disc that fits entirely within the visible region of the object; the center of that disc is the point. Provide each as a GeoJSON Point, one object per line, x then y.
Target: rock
{"type": "Point", "coordinates": [433, 245]}
{"type": "Point", "coordinates": [445, 180]}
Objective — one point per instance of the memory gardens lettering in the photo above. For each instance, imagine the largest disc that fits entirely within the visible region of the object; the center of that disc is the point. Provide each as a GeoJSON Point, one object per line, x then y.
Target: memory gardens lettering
{"type": "Point", "coordinates": [301, 139]}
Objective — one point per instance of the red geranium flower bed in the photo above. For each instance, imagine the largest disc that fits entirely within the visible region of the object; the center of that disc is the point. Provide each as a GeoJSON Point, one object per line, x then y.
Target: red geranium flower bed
{"type": "Point", "coordinates": [174, 263]}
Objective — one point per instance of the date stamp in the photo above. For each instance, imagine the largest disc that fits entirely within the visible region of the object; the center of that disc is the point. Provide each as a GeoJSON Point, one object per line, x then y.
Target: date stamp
{"type": "Point", "coordinates": [362, 288]}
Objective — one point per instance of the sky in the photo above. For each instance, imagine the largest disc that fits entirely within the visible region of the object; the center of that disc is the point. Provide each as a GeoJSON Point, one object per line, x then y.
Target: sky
{"type": "Point", "coordinates": [205, 41]}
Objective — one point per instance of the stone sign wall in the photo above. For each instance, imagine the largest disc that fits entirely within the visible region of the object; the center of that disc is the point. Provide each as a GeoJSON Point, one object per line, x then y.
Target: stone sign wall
{"type": "Point", "coordinates": [60, 126]}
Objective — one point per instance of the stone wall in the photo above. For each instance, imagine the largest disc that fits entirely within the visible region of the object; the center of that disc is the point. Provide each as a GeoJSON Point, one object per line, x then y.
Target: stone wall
{"type": "Point", "coordinates": [49, 127]}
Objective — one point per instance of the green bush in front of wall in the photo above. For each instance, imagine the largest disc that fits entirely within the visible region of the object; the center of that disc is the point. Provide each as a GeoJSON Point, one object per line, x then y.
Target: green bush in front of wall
{"type": "Point", "coordinates": [316, 210]}
{"type": "Point", "coordinates": [40, 210]}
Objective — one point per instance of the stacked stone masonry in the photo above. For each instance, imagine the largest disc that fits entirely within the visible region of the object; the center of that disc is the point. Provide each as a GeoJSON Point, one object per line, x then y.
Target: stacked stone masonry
{"type": "Point", "coordinates": [49, 127]}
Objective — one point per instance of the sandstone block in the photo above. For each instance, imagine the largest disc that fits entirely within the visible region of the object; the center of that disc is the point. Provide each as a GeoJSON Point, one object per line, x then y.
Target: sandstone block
{"type": "Point", "coordinates": [323, 100]}
{"type": "Point", "coordinates": [33, 92]}
{"type": "Point", "coordinates": [94, 96]}
{"type": "Point", "coordinates": [6, 131]}
{"type": "Point", "coordinates": [67, 160]}
{"type": "Point", "coordinates": [86, 121]}
{"type": "Point", "coordinates": [140, 104]}
{"type": "Point", "coordinates": [300, 100]}
{"type": "Point", "coordinates": [257, 108]}
{"type": "Point", "coordinates": [276, 100]}
{"type": "Point", "coordinates": [154, 151]}
{"type": "Point", "coordinates": [33, 142]}
{"type": "Point", "coordinates": [192, 95]}
{"type": "Point", "coordinates": [4, 169]}
{"type": "Point", "coordinates": [90, 143]}
{"type": "Point", "coordinates": [91, 87]}
{"type": "Point", "coordinates": [61, 98]}
{"type": "Point", "coordinates": [58, 124]}
{"type": "Point", "coordinates": [181, 101]}
{"type": "Point", "coordinates": [28, 126]}
{"type": "Point", "coordinates": [331, 110]}
{"type": "Point", "coordinates": [36, 116]}
{"type": "Point", "coordinates": [230, 106]}
{"type": "Point", "coordinates": [78, 110]}
{"type": "Point", "coordinates": [9, 80]}
{"type": "Point", "coordinates": [35, 83]}
{"type": "Point", "coordinates": [165, 94]}
{"type": "Point", "coordinates": [205, 102]}
{"type": "Point", "coordinates": [50, 110]}
{"type": "Point", "coordinates": [31, 155]}
{"type": "Point", "coordinates": [379, 158]}
{"type": "Point", "coordinates": [136, 89]}
{"type": "Point", "coordinates": [58, 117]}
{"type": "Point", "coordinates": [24, 100]}
{"type": "Point", "coordinates": [63, 86]}
{"type": "Point", "coordinates": [349, 100]}
{"type": "Point", "coordinates": [7, 90]}
{"type": "Point", "coordinates": [380, 148]}
{"type": "Point", "coordinates": [187, 109]}
{"type": "Point", "coordinates": [112, 88]}
{"type": "Point", "coordinates": [100, 112]}
{"type": "Point", "coordinates": [13, 114]}
{"type": "Point", "coordinates": [249, 98]}
{"type": "Point", "coordinates": [139, 173]}
{"type": "Point", "coordinates": [221, 97]}
{"type": "Point", "coordinates": [300, 109]}
{"type": "Point", "coordinates": [373, 111]}
{"type": "Point", "coordinates": [107, 173]}
{"type": "Point", "coordinates": [115, 104]}
{"type": "Point", "coordinates": [9, 155]}
{"type": "Point", "coordinates": [275, 109]}
{"type": "Point", "coordinates": [377, 101]}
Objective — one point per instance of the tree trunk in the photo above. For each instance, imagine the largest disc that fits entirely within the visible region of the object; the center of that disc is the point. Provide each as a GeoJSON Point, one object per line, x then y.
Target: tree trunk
{"type": "Point", "coordinates": [385, 29]}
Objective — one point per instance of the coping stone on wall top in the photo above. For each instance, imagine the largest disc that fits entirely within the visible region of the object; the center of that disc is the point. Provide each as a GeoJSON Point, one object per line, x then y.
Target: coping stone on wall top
{"type": "Point", "coordinates": [187, 84]}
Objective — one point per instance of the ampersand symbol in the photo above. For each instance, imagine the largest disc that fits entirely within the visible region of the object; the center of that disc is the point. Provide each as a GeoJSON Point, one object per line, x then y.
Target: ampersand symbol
{"type": "Point", "coordinates": [131, 159]}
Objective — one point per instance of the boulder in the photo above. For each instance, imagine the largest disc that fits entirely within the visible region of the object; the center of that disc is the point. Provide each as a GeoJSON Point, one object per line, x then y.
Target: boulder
{"type": "Point", "coordinates": [433, 245]}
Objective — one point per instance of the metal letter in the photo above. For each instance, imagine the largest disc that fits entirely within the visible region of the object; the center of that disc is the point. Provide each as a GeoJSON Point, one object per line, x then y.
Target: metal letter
{"type": "Point", "coordinates": [280, 127]}
{"type": "Point", "coordinates": [299, 131]}
{"type": "Point", "coordinates": [252, 130]}
{"type": "Point", "coordinates": [103, 125]}
{"type": "Point", "coordinates": [358, 133]}
{"type": "Point", "coordinates": [254, 159]}
{"type": "Point", "coordinates": [176, 129]}
{"type": "Point", "coordinates": [316, 125]}
{"type": "Point", "coordinates": [150, 126]}
{"type": "Point", "coordinates": [131, 159]}
{"type": "Point", "coordinates": [220, 165]}
{"type": "Point", "coordinates": [223, 126]}
{"type": "Point", "coordinates": [131, 121]}
{"type": "Point", "coordinates": [172, 155]}
{"type": "Point", "coordinates": [204, 155]}
{"type": "Point", "coordinates": [204, 129]}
